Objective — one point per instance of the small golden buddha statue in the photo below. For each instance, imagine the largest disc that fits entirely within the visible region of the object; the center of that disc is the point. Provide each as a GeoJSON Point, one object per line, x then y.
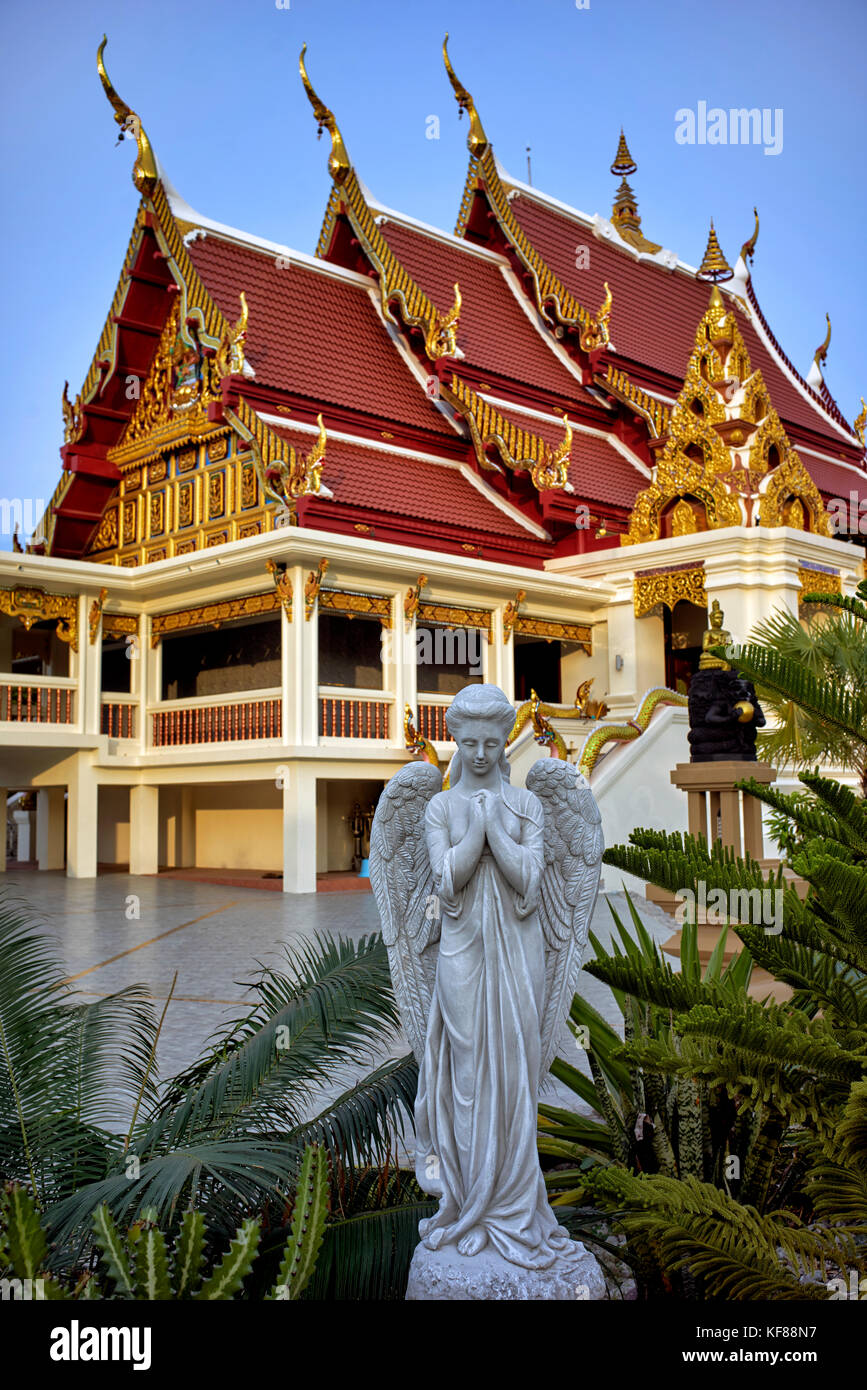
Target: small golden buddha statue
{"type": "Point", "coordinates": [715, 636]}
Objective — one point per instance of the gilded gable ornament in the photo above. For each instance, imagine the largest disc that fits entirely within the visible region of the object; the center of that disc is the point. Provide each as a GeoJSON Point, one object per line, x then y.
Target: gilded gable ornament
{"type": "Point", "coordinates": [726, 451]}
{"type": "Point", "coordinates": [73, 419]}
{"type": "Point", "coordinates": [441, 338]}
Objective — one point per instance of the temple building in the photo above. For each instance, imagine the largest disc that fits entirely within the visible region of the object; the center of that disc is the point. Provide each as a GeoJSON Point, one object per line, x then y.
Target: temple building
{"type": "Point", "coordinates": [303, 499]}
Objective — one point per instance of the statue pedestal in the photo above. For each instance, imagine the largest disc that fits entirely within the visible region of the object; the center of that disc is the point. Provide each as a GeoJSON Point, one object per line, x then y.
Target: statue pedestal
{"type": "Point", "coordinates": [714, 811]}
{"type": "Point", "coordinates": [447, 1276]}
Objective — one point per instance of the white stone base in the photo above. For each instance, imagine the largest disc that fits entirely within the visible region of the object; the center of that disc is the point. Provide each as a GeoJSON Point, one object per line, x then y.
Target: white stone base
{"type": "Point", "coordinates": [445, 1275]}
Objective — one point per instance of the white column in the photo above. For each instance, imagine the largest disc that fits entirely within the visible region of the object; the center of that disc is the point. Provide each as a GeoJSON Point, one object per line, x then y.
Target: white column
{"type": "Point", "coordinates": [4, 792]}
{"type": "Point", "coordinates": [89, 668]}
{"type": "Point", "coordinates": [307, 675]}
{"type": "Point", "coordinates": [82, 819]}
{"type": "Point", "coordinates": [50, 806]}
{"type": "Point", "coordinates": [299, 830]}
{"type": "Point", "coordinates": [144, 823]}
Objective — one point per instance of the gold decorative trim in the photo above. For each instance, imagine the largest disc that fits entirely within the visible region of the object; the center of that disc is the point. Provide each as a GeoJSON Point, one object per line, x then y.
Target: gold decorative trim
{"type": "Point", "coordinates": [818, 582]}
{"type": "Point", "coordinates": [212, 614]}
{"type": "Point", "coordinates": [284, 474]}
{"type": "Point", "coordinates": [411, 601]}
{"type": "Point", "coordinates": [668, 587]}
{"type": "Point", "coordinates": [510, 613]}
{"type": "Point", "coordinates": [31, 605]}
{"type": "Point", "coordinates": [312, 587]}
{"type": "Point", "coordinates": [282, 585]}
{"type": "Point", "coordinates": [353, 605]}
{"type": "Point", "coordinates": [549, 291]}
{"type": "Point", "coordinates": [120, 624]}
{"type": "Point", "coordinates": [95, 614]}
{"type": "Point", "coordinates": [519, 449]}
{"type": "Point", "coordinates": [448, 615]}
{"type": "Point", "coordinates": [554, 631]}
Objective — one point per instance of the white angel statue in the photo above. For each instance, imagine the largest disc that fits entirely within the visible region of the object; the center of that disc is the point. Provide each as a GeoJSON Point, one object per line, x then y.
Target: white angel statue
{"type": "Point", "coordinates": [485, 892]}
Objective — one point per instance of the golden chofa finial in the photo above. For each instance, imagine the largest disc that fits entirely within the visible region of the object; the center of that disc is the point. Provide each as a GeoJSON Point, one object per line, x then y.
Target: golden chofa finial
{"type": "Point", "coordinates": [822, 350]}
{"type": "Point", "coordinates": [144, 171]}
{"type": "Point", "coordinates": [477, 140]}
{"type": "Point", "coordinates": [860, 421]}
{"type": "Point", "coordinates": [338, 161]}
{"type": "Point", "coordinates": [623, 162]}
{"type": "Point", "coordinates": [748, 250]}
{"type": "Point", "coordinates": [714, 268]}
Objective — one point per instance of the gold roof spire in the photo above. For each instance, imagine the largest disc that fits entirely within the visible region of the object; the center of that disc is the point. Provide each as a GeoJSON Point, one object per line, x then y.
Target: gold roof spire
{"type": "Point", "coordinates": [623, 162]}
{"type": "Point", "coordinates": [477, 140]}
{"type": "Point", "coordinates": [338, 161]}
{"type": "Point", "coordinates": [748, 250]}
{"type": "Point", "coordinates": [822, 350]}
{"type": "Point", "coordinates": [714, 266]}
{"type": "Point", "coordinates": [144, 172]}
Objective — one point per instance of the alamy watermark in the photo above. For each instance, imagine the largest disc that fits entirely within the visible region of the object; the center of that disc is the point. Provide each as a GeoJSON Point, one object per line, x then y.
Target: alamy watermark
{"type": "Point", "coordinates": [24, 515]}
{"type": "Point", "coordinates": [735, 126]}
{"type": "Point", "coordinates": [439, 646]}
{"type": "Point", "coordinates": [848, 517]}
{"type": "Point", "coordinates": [757, 907]}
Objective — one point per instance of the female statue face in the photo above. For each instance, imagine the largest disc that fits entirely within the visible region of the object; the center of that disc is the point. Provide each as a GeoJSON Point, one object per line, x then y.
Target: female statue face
{"type": "Point", "coordinates": [481, 743]}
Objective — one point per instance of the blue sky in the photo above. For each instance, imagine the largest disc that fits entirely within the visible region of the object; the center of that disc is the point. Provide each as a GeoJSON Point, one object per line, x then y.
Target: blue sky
{"type": "Point", "coordinates": [216, 86]}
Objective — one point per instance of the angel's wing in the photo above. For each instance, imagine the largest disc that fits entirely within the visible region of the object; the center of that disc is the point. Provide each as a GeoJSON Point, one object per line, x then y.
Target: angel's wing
{"type": "Point", "coordinates": [402, 882]}
{"type": "Point", "coordinates": [570, 882]}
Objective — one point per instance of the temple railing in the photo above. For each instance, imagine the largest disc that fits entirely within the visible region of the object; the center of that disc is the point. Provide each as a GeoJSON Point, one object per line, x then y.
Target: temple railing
{"type": "Point", "coordinates": [242, 718]}
{"type": "Point", "coordinates": [37, 700]}
{"type": "Point", "coordinates": [353, 713]}
{"type": "Point", "coordinates": [118, 717]}
{"type": "Point", "coordinates": [432, 717]}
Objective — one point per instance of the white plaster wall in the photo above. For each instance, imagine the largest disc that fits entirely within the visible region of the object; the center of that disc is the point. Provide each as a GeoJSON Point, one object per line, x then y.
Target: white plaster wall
{"type": "Point", "coordinates": [578, 667]}
{"type": "Point", "coordinates": [239, 826]}
{"type": "Point", "coordinates": [113, 825]}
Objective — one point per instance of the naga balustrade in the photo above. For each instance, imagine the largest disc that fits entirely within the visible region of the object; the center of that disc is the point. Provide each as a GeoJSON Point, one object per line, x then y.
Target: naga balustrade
{"type": "Point", "coordinates": [119, 718]}
{"type": "Point", "coordinates": [345, 714]}
{"type": "Point", "coordinates": [37, 700]}
{"type": "Point", "coordinates": [244, 719]}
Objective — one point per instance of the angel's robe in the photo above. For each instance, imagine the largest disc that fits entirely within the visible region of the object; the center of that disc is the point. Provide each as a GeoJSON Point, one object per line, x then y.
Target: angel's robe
{"type": "Point", "coordinates": [476, 1106]}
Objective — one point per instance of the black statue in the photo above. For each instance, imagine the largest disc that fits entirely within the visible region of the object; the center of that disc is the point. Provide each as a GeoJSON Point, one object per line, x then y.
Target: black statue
{"type": "Point", "coordinates": [724, 712]}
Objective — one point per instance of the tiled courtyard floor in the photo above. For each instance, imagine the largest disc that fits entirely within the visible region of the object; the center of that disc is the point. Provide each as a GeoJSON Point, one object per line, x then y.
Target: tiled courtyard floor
{"type": "Point", "coordinates": [215, 936]}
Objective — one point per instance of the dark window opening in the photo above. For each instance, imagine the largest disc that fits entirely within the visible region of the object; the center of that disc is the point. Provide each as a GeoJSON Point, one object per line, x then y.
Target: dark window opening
{"type": "Point", "coordinates": [537, 667]}
{"type": "Point", "coordinates": [39, 652]}
{"type": "Point", "coordinates": [684, 629]}
{"type": "Point", "coordinates": [117, 658]}
{"type": "Point", "coordinates": [240, 656]}
{"type": "Point", "coordinates": [350, 652]}
{"type": "Point", "coordinates": [448, 658]}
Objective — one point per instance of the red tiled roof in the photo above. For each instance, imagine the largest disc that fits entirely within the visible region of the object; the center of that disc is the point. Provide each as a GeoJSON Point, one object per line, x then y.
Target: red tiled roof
{"type": "Point", "coordinates": [378, 480]}
{"type": "Point", "coordinates": [313, 334]}
{"type": "Point", "coordinates": [495, 333]}
{"type": "Point", "coordinates": [833, 479]}
{"type": "Point", "coordinates": [656, 311]}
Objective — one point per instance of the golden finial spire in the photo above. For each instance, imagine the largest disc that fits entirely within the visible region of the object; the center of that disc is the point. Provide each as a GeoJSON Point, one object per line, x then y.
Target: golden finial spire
{"type": "Point", "coordinates": [338, 161]}
{"type": "Point", "coordinates": [748, 250]}
{"type": "Point", "coordinates": [477, 140]}
{"type": "Point", "coordinates": [623, 162]}
{"type": "Point", "coordinates": [860, 421]}
{"type": "Point", "coordinates": [714, 267]}
{"type": "Point", "coordinates": [822, 350]}
{"type": "Point", "coordinates": [144, 171]}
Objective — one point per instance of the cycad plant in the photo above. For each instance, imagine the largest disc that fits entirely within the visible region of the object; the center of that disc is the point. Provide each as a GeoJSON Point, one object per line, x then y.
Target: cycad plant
{"type": "Point", "coordinates": [830, 652]}
{"type": "Point", "coordinates": [795, 1073]}
{"type": "Point", "coordinates": [227, 1137]}
{"type": "Point", "coordinates": [144, 1266]}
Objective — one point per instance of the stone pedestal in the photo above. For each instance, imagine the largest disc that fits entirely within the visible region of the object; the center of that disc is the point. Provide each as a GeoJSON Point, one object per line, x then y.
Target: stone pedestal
{"type": "Point", "coordinates": [712, 800]}
{"type": "Point", "coordinates": [447, 1276]}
